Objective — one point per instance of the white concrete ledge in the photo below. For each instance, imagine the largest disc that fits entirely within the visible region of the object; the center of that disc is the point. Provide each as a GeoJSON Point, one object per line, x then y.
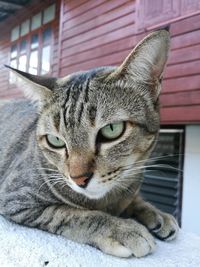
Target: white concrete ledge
{"type": "Point", "coordinates": [22, 247]}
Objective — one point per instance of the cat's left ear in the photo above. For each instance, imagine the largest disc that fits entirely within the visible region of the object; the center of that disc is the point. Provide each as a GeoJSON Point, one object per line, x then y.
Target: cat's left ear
{"type": "Point", "coordinates": [146, 62]}
{"type": "Point", "coordinates": [36, 88]}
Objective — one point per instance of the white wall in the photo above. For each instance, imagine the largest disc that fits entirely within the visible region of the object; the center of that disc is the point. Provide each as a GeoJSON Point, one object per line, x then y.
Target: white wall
{"type": "Point", "coordinates": [191, 181]}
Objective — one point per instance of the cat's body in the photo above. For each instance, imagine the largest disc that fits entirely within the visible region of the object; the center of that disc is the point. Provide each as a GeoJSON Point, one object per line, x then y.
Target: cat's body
{"type": "Point", "coordinates": [75, 168]}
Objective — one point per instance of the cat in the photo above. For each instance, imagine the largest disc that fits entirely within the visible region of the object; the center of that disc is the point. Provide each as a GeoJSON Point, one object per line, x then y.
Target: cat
{"type": "Point", "coordinates": [72, 156]}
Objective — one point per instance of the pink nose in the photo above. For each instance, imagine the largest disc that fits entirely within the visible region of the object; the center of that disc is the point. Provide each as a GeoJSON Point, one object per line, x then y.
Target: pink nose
{"type": "Point", "coordinates": [82, 180]}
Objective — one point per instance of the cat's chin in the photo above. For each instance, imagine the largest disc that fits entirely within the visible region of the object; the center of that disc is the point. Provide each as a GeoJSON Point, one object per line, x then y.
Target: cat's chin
{"type": "Point", "coordinates": [90, 194]}
{"type": "Point", "coordinates": [94, 195]}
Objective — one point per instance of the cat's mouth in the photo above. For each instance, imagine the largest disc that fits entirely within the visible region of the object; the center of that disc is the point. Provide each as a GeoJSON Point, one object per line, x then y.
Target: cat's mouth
{"type": "Point", "coordinates": [93, 189]}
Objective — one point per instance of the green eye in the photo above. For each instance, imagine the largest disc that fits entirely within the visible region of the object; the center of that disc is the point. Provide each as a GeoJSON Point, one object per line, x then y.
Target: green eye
{"type": "Point", "coordinates": [113, 130]}
{"type": "Point", "coordinates": [54, 141]}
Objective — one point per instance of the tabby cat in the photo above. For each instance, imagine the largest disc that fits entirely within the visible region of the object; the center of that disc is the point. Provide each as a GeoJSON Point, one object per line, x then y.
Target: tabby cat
{"type": "Point", "coordinates": [71, 159]}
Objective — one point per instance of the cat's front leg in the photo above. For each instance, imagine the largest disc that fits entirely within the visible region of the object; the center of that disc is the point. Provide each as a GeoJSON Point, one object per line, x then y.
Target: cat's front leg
{"type": "Point", "coordinates": [115, 236]}
{"type": "Point", "coordinates": [163, 225]}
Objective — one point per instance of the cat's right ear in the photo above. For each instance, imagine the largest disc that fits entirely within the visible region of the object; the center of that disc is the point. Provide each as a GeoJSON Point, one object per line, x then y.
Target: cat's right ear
{"type": "Point", "coordinates": [36, 88]}
{"type": "Point", "coordinates": [145, 64]}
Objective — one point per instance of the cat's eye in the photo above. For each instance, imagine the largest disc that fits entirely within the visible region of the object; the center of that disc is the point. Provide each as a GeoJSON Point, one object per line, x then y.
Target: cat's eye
{"type": "Point", "coordinates": [112, 131]}
{"type": "Point", "coordinates": [55, 141]}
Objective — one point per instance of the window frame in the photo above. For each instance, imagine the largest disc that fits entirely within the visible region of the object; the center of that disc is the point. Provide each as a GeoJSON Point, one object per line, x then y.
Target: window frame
{"type": "Point", "coordinates": [179, 146]}
{"type": "Point", "coordinates": [39, 31]}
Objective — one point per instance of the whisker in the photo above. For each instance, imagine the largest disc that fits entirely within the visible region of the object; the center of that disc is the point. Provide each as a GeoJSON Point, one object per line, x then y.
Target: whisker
{"type": "Point", "coordinates": [53, 181]}
{"type": "Point", "coordinates": [153, 158]}
{"type": "Point", "coordinates": [134, 167]}
{"type": "Point", "coordinates": [48, 169]}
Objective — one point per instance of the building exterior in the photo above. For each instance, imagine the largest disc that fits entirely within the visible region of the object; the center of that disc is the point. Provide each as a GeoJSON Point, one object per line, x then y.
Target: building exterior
{"type": "Point", "coordinates": [60, 37]}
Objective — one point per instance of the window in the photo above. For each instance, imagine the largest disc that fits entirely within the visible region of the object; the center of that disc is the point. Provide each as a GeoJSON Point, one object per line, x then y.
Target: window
{"type": "Point", "coordinates": [15, 33]}
{"type": "Point", "coordinates": [25, 27]}
{"type": "Point", "coordinates": [162, 184]}
{"type": "Point", "coordinates": [49, 14]}
{"type": "Point", "coordinates": [32, 43]}
{"type": "Point", "coordinates": [36, 21]}
{"type": "Point", "coordinates": [46, 50]}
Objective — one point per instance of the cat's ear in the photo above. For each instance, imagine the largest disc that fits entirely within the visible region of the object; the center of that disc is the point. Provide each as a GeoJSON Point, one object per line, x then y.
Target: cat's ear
{"type": "Point", "coordinates": [147, 61]}
{"type": "Point", "coordinates": [36, 88]}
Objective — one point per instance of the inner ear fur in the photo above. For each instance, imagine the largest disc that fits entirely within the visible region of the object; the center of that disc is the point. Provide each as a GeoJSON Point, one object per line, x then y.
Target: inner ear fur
{"type": "Point", "coordinates": [147, 60]}
{"type": "Point", "coordinates": [35, 87]}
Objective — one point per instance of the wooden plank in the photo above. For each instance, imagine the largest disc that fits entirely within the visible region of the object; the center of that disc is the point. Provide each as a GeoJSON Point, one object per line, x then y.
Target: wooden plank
{"type": "Point", "coordinates": [186, 25]}
{"type": "Point", "coordinates": [91, 13]}
{"type": "Point", "coordinates": [102, 61]}
{"type": "Point", "coordinates": [97, 21]}
{"type": "Point", "coordinates": [184, 54]}
{"type": "Point", "coordinates": [71, 4]}
{"type": "Point", "coordinates": [181, 84]}
{"type": "Point", "coordinates": [182, 69]}
{"type": "Point", "coordinates": [81, 9]}
{"type": "Point", "coordinates": [187, 39]}
{"type": "Point", "coordinates": [98, 52]}
{"type": "Point", "coordinates": [180, 115]}
{"type": "Point", "coordinates": [188, 98]}
{"type": "Point", "coordinates": [98, 31]}
{"type": "Point", "coordinates": [110, 37]}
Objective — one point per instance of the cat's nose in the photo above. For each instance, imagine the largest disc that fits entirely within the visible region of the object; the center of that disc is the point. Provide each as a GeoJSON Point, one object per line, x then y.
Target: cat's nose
{"type": "Point", "coordinates": [82, 180]}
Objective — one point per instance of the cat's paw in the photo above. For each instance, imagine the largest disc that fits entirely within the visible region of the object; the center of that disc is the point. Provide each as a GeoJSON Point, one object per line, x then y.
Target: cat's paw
{"type": "Point", "coordinates": [163, 225]}
{"type": "Point", "coordinates": [126, 238]}
{"type": "Point", "coordinates": [167, 229]}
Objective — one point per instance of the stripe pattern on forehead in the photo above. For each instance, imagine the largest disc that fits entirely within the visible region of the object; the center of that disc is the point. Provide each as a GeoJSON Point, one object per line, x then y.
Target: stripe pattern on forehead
{"type": "Point", "coordinates": [92, 110]}
{"type": "Point", "coordinates": [73, 106]}
{"type": "Point", "coordinates": [86, 89]}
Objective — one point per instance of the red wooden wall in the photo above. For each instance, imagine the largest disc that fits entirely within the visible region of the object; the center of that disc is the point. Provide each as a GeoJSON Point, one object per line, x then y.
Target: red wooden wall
{"type": "Point", "coordinates": [103, 32]}
{"type": "Point", "coordinates": [96, 33]}
{"type": "Point", "coordinates": [181, 87]}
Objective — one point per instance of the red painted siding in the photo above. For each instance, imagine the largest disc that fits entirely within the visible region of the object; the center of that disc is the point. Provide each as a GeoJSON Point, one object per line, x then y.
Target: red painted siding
{"type": "Point", "coordinates": [180, 99]}
{"type": "Point", "coordinates": [7, 90]}
{"type": "Point", "coordinates": [96, 33]}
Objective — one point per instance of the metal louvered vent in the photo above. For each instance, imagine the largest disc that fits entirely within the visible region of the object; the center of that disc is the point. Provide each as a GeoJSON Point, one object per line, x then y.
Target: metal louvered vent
{"type": "Point", "coordinates": [162, 184]}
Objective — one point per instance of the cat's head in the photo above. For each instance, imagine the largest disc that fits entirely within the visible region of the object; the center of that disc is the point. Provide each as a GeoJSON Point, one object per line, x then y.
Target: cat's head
{"type": "Point", "coordinates": [98, 127]}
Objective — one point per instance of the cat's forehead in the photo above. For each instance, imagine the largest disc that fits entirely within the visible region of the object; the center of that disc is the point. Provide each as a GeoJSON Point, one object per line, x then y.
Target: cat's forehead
{"type": "Point", "coordinates": [78, 79]}
{"type": "Point", "coordinates": [84, 95]}
{"type": "Point", "coordinates": [83, 90]}
{"type": "Point", "coordinates": [95, 87]}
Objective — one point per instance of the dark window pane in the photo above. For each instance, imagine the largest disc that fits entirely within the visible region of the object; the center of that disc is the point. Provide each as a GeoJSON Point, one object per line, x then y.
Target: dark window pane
{"type": "Point", "coordinates": [36, 21]}
{"type": "Point", "coordinates": [34, 41]}
{"type": "Point", "coordinates": [25, 27]}
{"type": "Point", "coordinates": [23, 46]}
{"type": "Point", "coordinates": [13, 51]}
{"type": "Point", "coordinates": [49, 14]}
{"type": "Point", "coordinates": [46, 35]}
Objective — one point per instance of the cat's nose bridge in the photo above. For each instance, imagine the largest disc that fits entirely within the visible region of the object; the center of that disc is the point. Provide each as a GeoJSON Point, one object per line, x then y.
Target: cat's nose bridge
{"type": "Point", "coordinates": [81, 167]}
